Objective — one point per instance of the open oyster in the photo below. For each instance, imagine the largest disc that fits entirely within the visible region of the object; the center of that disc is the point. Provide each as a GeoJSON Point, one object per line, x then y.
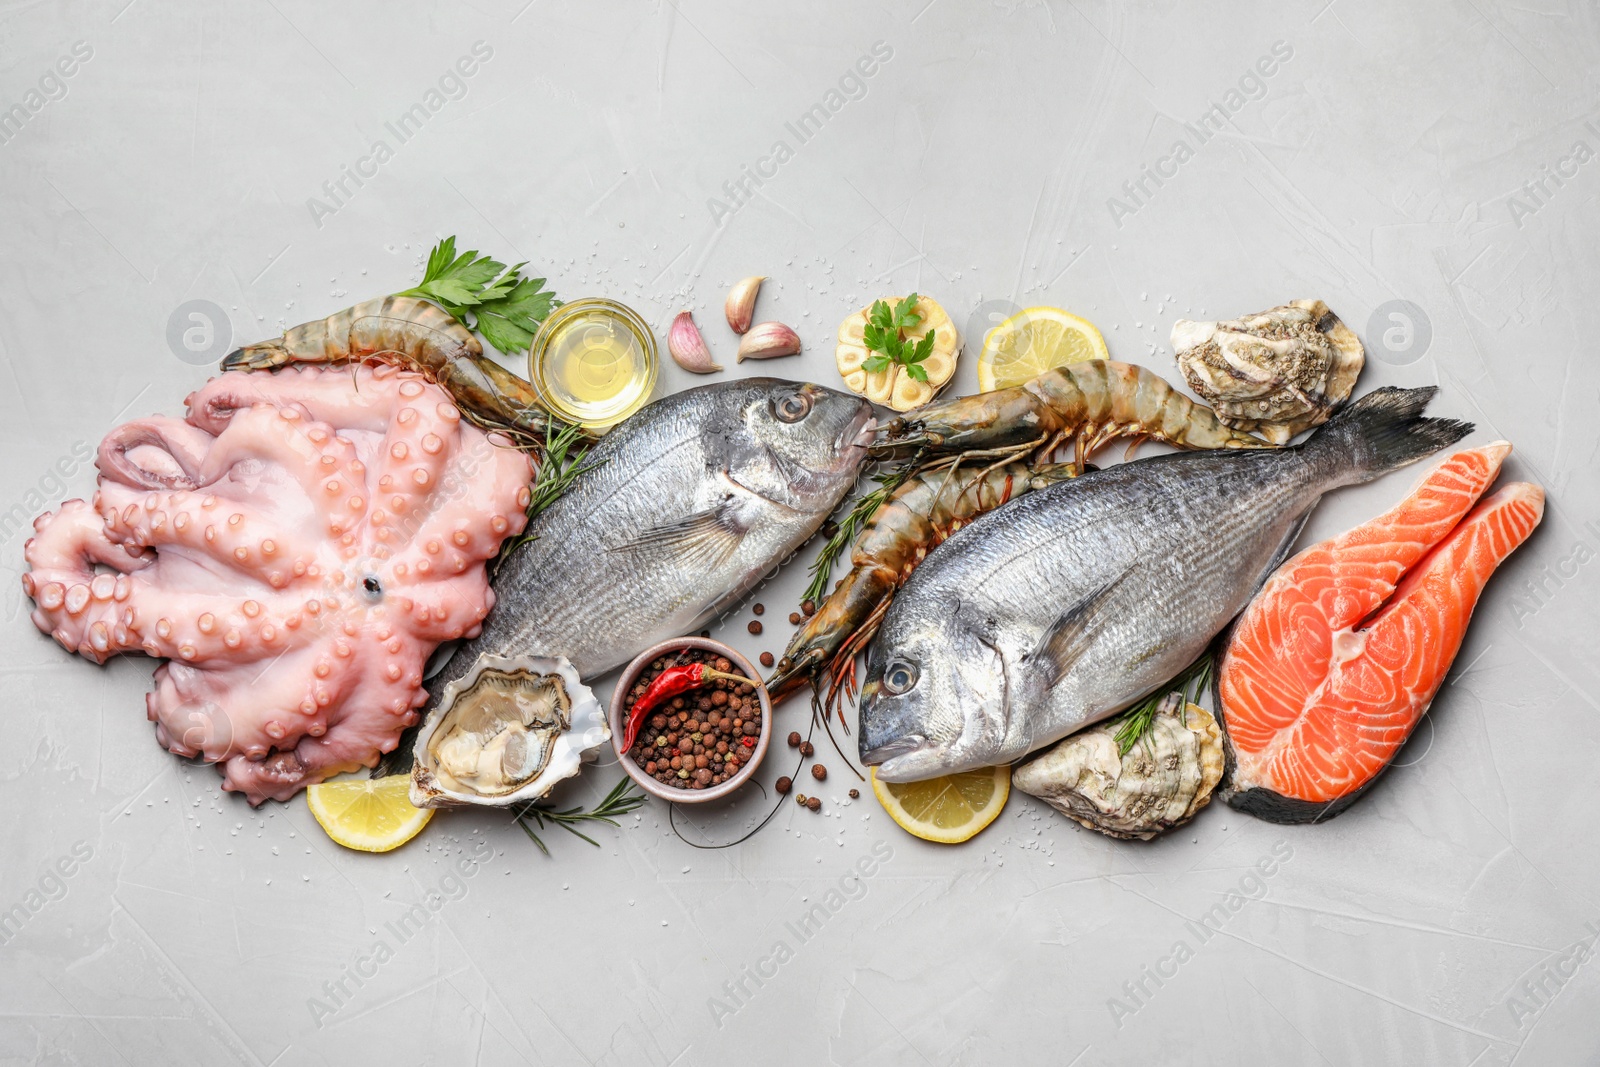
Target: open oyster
{"type": "Point", "coordinates": [1165, 778]}
{"type": "Point", "coordinates": [505, 733]}
{"type": "Point", "coordinates": [1275, 373]}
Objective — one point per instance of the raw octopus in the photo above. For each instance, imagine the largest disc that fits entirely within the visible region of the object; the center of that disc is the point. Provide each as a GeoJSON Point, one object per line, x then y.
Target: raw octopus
{"type": "Point", "coordinates": [295, 548]}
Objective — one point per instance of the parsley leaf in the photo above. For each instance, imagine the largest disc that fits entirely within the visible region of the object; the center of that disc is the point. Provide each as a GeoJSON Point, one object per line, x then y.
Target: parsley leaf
{"type": "Point", "coordinates": [885, 334]}
{"type": "Point", "coordinates": [486, 295]}
{"type": "Point", "coordinates": [509, 322]}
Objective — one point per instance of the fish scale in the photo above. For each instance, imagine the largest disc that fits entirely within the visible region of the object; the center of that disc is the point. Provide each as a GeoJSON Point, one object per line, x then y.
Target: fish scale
{"type": "Point", "coordinates": [1068, 605]}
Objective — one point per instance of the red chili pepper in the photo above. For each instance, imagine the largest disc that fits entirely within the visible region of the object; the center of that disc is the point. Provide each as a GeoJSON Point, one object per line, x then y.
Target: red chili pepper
{"type": "Point", "coordinates": [748, 742]}
{"type": "Point", "coordinates": [668, 684]}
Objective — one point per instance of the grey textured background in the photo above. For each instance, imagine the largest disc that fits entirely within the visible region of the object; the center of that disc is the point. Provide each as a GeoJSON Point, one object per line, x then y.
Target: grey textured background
{"type": "Point", "coordinates": [1391, 157]}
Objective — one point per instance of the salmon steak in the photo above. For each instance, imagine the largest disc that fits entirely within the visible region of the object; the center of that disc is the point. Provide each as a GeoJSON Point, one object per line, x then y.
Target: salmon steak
{"type": "Point", "coordinates": [1336, 660]}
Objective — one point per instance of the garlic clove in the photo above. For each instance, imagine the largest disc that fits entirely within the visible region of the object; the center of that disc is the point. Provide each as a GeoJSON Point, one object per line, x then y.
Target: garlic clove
{"type": "Point", "coordinates": [741, 303]}
{"type": "Point", "coordinates": [688, 347]}
{"type": "Point", "coordinates": [768, 339]}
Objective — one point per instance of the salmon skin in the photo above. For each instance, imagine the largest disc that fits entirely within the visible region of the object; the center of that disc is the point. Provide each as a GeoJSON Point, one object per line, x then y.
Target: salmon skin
{"type": "Point", "coordinates": [1332, 666]}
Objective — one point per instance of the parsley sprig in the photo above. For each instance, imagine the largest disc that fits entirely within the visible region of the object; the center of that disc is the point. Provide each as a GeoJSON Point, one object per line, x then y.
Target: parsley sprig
{"type": "Point", "coordinates": [885, 334]}
{"type": "Point", "coordinates": [486, 295]}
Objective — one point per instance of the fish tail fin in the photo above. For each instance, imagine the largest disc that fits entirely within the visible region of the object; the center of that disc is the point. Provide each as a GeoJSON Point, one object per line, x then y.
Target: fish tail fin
{"type": "Point", "coordinates": [1384, 430]}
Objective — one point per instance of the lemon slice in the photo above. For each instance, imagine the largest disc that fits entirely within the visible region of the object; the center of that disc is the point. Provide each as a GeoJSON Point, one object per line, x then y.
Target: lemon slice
{"type": "Point", "coordinates": [1034, 341]}
{"type": "Point", "coordinates": [948, 810]}
{"type": "Point", "coordinates": [370, 814]}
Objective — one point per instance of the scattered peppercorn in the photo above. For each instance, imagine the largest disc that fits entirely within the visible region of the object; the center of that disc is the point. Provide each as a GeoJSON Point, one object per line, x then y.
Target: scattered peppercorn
{"type": "Point", "coordinates": [809, 608]}
{"type": "Point", "coordinates": [819, 772]}
{"type": "Point", "coordinates": [692, 742]}
{"type": "Point", "coordinates": [807, 749]}
{"type": "Point", "coordinates": [767, 660]}
{"type": "Point", "coordinates": [814, 803]}
{"type": "Point", "coordinates": [794, 739]}
{"type": "Point", "coordinates": [794, 618]}
{"type": "Point", "coordinates": [855, 794]}
{"type": "Point", "coordinates": [759, 609]}
{"type": "Point", "coordinates": [783, 785]}
{"type": "Point", "coordinates": [754, 627]}
{"type": "Point", "coordinates": [800, 799]}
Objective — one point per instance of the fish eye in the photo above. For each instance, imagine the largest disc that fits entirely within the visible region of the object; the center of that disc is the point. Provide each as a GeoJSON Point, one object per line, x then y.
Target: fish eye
{"type": "Point", "coordinates": [792, 408]}
{"type": "Point", "coordinates": [900, 677]}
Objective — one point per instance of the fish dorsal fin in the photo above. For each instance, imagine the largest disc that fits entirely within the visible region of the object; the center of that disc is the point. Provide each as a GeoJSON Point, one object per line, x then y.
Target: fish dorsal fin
{"type": "Point", "coordinates": [706, 538]}
{"type": "Point", "coordinates": [1066, 639]}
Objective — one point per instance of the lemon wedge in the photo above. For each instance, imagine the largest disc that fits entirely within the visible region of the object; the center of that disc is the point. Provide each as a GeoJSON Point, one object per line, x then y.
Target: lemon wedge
{"type": "Point", "coordinates": [1034, 341]}
{"type": "Point", "coordinates": [948, 810]}
{"type": "Point", "coordinates": [369, 814]}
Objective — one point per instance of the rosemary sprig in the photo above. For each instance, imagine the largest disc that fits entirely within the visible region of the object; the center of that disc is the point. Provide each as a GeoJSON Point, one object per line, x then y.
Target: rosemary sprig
{"type": "Point", "coordinates": [822, 567]}
{"type": "Point", "coordinates": [565, 456]}
{"type": "Point", "coordinates": [566, 452]}
{"type": "Point", "coordinates": [1137, 720]}
{"type": "Point", "coordinates": [617, 803]}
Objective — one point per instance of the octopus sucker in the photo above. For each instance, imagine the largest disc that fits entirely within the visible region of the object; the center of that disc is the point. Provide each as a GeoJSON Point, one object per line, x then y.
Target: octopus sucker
{"type": "Point", "coordinates": [294, 642]}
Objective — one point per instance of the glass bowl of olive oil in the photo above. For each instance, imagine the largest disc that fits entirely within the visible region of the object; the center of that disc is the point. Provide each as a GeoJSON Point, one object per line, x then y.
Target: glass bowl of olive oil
{"type": "Point", "coordinates": [594, 362]}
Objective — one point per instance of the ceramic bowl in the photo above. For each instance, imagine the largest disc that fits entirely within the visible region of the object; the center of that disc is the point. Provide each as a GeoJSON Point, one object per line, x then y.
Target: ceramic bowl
{"type": "Point", "coordinates": [625, 683]}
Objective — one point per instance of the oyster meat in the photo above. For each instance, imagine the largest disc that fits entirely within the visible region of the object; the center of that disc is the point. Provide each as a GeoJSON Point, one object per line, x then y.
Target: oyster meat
{"type": "Point", "coordinates": [1165, 778]}
{"type": "Point", "coordinates": [1275, 373]}
{"type": "Point", "coordinates": [505, 733]}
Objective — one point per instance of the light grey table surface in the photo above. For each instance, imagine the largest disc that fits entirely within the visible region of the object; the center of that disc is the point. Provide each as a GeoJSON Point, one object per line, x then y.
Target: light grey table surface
{"type": "Point", "coordinates": [1428, 170]}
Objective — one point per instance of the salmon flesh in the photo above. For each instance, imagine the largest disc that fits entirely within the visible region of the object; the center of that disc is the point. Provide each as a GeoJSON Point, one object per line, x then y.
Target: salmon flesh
{"type": "Point", "coordinates": [1333, 665]}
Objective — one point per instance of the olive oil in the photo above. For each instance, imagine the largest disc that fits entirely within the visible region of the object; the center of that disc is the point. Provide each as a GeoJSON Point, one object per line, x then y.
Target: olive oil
{"type": "Point", "coordinates": [594, 363]}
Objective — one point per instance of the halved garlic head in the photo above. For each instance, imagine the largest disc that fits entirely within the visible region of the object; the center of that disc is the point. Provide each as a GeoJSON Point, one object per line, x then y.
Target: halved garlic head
{"type": "Point", "coordinates": [892, 386]}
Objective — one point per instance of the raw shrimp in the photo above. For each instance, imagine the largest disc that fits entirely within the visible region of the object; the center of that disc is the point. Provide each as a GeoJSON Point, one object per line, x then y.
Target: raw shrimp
{"type": "Point", "coordinates": [1088, 403]}
{"type": "Point", "coordinates": [417, 335]}
{"type": "Point", "coordinates": [916, 516]}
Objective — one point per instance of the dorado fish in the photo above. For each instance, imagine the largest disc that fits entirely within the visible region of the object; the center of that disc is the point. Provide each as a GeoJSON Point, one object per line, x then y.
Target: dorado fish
{"type": "Point", "coordinates": [685, 506]}
{"type": "Point", "coordinates": [1068, 605]}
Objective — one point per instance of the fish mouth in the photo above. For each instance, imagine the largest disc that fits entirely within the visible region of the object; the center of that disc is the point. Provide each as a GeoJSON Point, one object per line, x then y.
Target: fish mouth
{"type": "Point", "coordinates": [913, 766]}
{"type": "Point", "coordinates": [858, 435]}
{"type": "Point", "coordinates": [886, 753]}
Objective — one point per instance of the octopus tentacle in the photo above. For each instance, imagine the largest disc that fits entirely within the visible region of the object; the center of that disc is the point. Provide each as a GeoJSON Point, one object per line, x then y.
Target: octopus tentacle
{"type": "Point", "coordinates": [74, 603]}
{"type": "Point", "coordinates": [332, 395]}
{"type": "Point", "coordinates": [236, 536]}
{"type": "Point", "coordinates": [173, 450]}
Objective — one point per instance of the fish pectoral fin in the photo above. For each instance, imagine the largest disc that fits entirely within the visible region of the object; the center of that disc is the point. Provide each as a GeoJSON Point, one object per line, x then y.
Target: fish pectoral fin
{"type": "Point", "coordinates": [1066, 639]}
{"type": "Point", "coordinates": [706, 538]}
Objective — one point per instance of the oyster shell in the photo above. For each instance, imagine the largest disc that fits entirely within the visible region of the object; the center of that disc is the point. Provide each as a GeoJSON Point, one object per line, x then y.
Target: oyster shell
{"type": "Point", "coordinates": [505, 733]}
{"type": "Point", "coordinates": [1163, 780]}
{"type": "Point", "coordinates": [1275, 373]}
